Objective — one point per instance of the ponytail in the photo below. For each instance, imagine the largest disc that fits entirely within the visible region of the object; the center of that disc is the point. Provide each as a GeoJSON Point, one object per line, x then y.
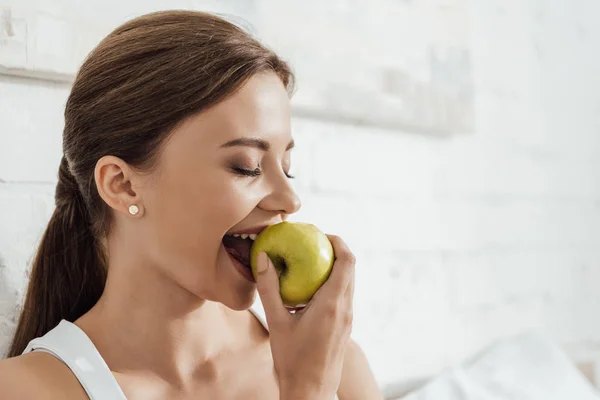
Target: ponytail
{"type": "Point", "coordinates": [68, 273]}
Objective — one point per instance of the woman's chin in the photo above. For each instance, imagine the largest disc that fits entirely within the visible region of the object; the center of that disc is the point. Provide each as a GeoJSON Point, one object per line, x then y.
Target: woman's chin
{"type": "Point", "coordinates": [236, 290]}
{"type": "Point", "coordinates": [242, 306]}
{"type": "Point", "coordinates": [240, 301]}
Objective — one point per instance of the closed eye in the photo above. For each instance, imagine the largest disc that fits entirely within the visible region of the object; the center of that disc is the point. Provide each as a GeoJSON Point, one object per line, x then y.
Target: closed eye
{"type": "Point", "coordinates": [255, 172]}
{"type": "Point", "coordinates": [247, 172]}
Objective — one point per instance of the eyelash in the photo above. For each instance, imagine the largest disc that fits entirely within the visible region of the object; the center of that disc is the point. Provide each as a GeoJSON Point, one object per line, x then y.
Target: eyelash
{"type": "Point", "coordinates": [253, 172]}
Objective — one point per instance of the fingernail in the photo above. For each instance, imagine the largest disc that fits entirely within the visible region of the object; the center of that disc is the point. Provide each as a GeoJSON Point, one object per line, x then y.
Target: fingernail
{"type": "Point", "coordinates": [263, 262]}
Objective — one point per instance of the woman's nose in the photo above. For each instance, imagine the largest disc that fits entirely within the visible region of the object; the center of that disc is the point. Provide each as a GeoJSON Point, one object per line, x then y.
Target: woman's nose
{"type": "Point", "coordinates": [282, 198]}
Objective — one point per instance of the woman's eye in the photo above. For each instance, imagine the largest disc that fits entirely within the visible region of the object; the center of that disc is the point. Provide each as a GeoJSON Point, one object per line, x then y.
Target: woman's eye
{"type": "Point", "coordinates": [247, 172]}
{"type": "Point", "coordinates": [254, 172]}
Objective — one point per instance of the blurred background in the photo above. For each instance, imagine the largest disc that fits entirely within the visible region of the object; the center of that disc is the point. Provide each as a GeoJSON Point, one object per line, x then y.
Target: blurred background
{"type": "Point", "coordinates": [454, 144]}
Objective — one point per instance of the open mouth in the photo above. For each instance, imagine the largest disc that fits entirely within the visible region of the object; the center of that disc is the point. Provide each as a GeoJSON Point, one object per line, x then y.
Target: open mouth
{"type": "Point", "coordinates": [238, 245]}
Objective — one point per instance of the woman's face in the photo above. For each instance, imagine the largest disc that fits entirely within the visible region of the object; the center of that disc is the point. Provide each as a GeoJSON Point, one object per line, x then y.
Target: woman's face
{"type": "Point", "coordinates": [223, 171]}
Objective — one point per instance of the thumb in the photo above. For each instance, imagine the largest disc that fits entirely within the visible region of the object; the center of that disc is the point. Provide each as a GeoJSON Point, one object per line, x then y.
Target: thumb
{"type": "Point", "coordinates": [267, 283]}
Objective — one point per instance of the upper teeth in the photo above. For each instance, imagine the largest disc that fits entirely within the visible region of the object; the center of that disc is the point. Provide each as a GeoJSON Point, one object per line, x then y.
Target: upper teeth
{"type": "Point", "coordinates": [252, 236]}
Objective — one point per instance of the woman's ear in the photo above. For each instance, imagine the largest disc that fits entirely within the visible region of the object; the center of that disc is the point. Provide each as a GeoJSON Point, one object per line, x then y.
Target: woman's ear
{"type": "Point", "coordinates": [119, 186]}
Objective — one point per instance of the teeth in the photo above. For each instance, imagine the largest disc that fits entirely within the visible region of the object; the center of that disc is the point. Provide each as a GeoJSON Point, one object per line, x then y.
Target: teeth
{"type": "Point", "coordinates": [251, 236]}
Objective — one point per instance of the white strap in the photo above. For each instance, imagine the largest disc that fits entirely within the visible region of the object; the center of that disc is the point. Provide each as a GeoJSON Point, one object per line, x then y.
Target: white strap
{"type": "Point", "coordinates": [72, 346]}
{"type": "Point", "coordinates": [259, 313]}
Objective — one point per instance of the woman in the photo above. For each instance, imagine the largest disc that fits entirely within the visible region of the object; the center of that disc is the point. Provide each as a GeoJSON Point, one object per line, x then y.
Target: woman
{"type": "Point", "coordinates": [177, 135]}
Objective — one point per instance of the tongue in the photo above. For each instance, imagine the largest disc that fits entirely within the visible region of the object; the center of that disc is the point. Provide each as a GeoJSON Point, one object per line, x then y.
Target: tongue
{"type": "Point", "coordinates": [239, 248]}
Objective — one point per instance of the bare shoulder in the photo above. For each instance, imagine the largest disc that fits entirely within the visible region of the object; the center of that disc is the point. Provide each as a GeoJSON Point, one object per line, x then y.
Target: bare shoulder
{"type": "Point", "coordinates": [38, 375]}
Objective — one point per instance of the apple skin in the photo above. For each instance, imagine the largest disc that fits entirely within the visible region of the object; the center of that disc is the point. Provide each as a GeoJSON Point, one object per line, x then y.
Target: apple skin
{"type": "Point", "coordinates": [302, 255]}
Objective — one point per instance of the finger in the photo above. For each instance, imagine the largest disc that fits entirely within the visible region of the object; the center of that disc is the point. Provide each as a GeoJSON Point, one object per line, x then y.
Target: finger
{"type": "Point", "coordinates": [348, 304]}
{"type": "Point", "coordinates": [349, 294]}
{"type": "Point", "coordinates": [343, 268]}
{"type": "Point", "coordinates": [267, 283]}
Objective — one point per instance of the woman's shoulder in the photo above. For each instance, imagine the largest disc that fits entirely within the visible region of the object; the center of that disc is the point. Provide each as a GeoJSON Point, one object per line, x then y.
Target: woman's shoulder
{"type": "Point", "coordinates": [38, 375]}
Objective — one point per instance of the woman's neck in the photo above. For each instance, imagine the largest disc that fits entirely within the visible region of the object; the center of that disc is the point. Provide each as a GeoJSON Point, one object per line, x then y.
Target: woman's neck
{"type": "Point", "coordinates": [146, 322]}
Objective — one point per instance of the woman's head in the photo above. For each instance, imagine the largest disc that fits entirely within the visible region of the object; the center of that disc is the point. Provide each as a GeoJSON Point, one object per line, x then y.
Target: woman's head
{"type": "Point", "coordinates": [186, 116]}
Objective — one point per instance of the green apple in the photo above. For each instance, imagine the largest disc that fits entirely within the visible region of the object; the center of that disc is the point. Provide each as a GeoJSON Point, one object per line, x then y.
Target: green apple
{"type": "Point", "coordinates": [302, 255]}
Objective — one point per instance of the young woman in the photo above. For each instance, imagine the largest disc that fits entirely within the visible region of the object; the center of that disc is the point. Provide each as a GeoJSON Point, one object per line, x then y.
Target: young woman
{"type": "Point", "coordinates": [177, 136]}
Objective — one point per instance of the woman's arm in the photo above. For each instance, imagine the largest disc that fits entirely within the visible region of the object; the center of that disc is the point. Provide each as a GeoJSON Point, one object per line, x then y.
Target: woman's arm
{"type": "Point", "coordinates": [358, 382]}
{"type": "Point", "coordinates": [38, 375]}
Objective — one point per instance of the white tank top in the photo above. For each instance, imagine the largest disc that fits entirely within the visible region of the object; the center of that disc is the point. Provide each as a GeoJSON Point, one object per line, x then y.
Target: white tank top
{"type": "Point", "coordinates": [72, 346]}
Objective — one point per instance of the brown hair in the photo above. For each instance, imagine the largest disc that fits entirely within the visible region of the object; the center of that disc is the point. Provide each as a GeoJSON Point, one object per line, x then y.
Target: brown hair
{"type": "Point", "coordinates": [139, 83]}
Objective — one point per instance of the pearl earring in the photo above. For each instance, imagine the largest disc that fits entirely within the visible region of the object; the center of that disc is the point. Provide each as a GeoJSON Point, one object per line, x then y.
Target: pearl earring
{"type": "Point", "coordinates": [133, 209]}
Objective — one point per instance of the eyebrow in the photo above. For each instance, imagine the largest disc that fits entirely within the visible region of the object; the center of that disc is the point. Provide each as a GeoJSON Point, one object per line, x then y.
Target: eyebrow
{"type": "Point", "coordinates": [252, 142]}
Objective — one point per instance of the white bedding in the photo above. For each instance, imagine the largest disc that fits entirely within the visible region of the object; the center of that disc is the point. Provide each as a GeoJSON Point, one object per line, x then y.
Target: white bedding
{"type": "Point", "coordinates": [525, 367]}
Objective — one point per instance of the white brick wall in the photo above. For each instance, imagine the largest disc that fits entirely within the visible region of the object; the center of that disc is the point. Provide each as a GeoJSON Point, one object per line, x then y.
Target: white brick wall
{"type": "Point", "coordinates": [460, 240]}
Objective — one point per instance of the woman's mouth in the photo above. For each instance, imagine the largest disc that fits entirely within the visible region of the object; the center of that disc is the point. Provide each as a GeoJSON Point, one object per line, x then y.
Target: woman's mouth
{"type": "Point", "coordinates": [238, 246]}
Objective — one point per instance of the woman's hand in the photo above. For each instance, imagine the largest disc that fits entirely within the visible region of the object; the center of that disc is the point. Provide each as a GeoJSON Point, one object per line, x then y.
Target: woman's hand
{"type": "Point", "coordinates": [308, 346]}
